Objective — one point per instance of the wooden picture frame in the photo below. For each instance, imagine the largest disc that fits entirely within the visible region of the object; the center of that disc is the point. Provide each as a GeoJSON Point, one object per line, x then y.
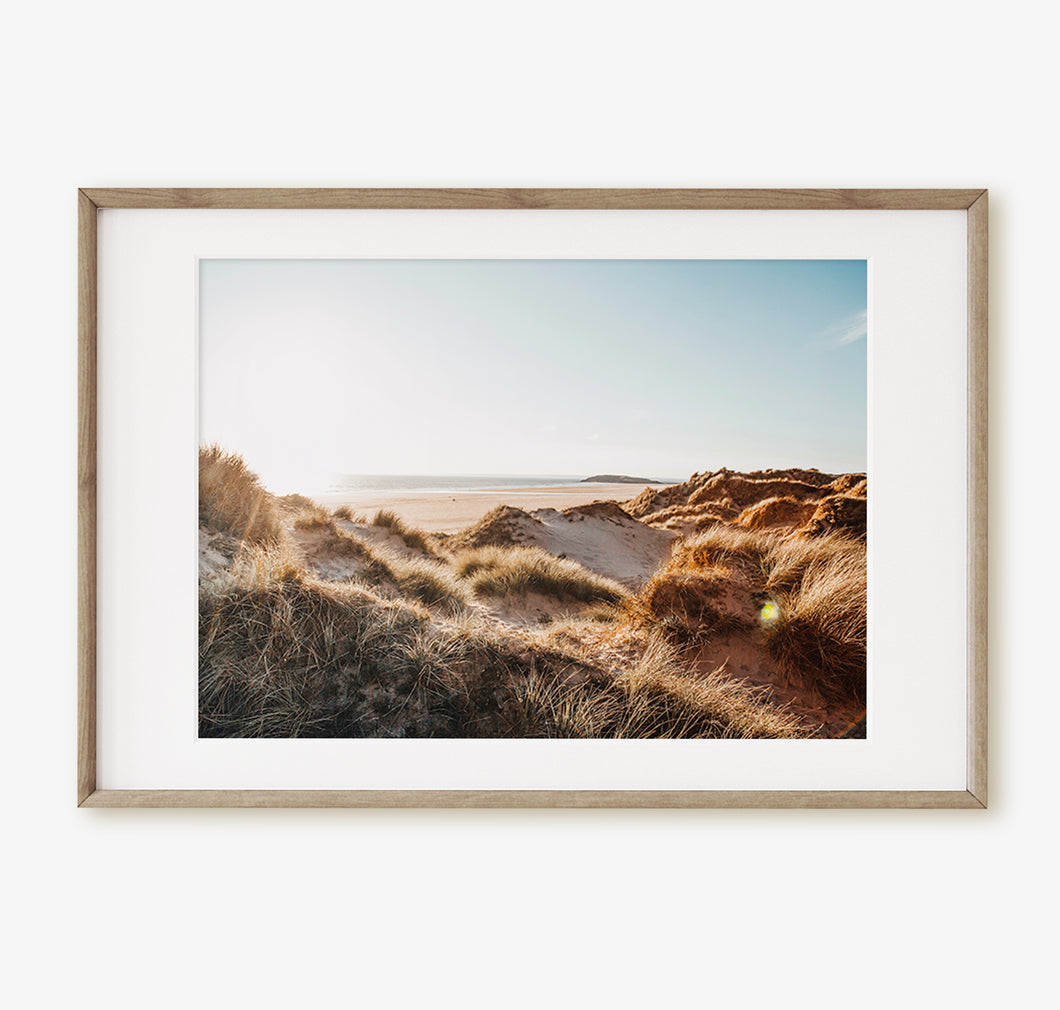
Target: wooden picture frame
{"type": "Point", "coordinates": [973, 202]}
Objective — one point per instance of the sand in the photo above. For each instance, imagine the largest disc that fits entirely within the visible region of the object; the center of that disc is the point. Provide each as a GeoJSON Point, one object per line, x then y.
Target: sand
{"type": "Point", "coordinates": [450, 511]}
{"type": "Point", "coordinates": [609, 542]}
{"type": "Point", "coordinates": [583, 524]}
{"type": "Point", "coordinates": [604, 541]}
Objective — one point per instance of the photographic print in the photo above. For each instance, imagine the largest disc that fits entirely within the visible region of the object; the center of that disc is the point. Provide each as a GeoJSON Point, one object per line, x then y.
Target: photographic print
{"type": "Point", "coordinates": [592, 499]}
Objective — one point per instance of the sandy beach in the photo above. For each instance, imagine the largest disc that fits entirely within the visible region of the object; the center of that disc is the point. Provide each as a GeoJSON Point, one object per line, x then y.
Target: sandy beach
{"type": "Point", "coordinates": [449, 511]}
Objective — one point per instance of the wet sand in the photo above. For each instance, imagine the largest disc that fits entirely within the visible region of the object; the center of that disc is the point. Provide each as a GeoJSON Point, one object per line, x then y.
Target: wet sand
{"type": "Point", "coordinates": [448, 511]}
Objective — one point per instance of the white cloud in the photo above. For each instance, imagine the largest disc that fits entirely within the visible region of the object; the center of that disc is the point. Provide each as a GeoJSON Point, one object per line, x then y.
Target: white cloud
{"type": "Point", "coordinates": [846, 331]}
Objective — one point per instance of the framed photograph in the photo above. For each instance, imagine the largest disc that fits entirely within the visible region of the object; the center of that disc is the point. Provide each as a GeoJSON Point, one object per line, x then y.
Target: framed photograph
{"type": "Point", "coordinates": [597, 498]}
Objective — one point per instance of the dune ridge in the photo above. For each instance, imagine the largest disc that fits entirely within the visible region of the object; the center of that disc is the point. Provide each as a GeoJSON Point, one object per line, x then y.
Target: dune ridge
{"type": "Point", "coordinates": [809, 501]}
{"type": "Point", "coordinates": [728, 605]}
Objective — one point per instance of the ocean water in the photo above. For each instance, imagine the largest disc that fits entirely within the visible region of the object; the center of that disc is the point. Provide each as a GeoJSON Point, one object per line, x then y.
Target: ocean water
{"type": "Point", "coordinates": [450, 482]}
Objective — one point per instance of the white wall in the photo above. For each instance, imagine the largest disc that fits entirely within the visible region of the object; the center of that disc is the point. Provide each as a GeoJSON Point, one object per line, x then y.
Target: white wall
{"type": "Point", "coordinates": [167, 908]}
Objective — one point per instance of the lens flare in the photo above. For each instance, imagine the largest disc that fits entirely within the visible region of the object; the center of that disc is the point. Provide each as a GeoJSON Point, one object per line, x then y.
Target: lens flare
{"type": "Point", "coordinates": [770, 612]}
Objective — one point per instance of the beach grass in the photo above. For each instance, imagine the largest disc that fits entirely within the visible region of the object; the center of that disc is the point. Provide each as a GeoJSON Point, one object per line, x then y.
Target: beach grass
{"type": "Point", "coordinates": [809, 596]}
{"type": "Point", "coordinates": [414, 538]}
{"type": "Point", "coordinates": [507, 571]}
{"type": "Point", "coordinates": [232, 499]}
{"type": "Point", "coordinates": [309, 627]}
{"type": "Point", "coordinates": [655, 699]}
{"type": "Point", "coordinates": [289, 657]}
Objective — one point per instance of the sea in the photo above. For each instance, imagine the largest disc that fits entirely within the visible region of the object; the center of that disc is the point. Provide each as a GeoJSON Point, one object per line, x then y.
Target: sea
{"type": "Point", "coordinates": [362, 482]}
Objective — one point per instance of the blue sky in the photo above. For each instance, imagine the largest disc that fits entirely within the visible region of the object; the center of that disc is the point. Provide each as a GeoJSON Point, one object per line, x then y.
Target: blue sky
{"type": "Point", "coordinates": [659, 368]}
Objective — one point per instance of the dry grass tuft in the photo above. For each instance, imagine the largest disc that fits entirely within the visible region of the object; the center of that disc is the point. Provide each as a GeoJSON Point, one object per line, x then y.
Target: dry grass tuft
{"type": "Point", "coordinates": [431, 582]}
{"type": "Point", "coordinates": [285, 655]}
{"type": "Point", "coordinates": [309, 658]}
{"type": "Point", "coordinates": [497, 528]}
{"type": "Point", "coordinates": [232, 500]}
{"type": "Point", "coordinates": [785, 560]}
{"type": "Point", "coordinates": [850, 483]}
{"type": "Point", "coordinates": [717, 582]}
{"type": "Point", "coordinates": [720, 546]}
{"type": "Point", "coordinates": [296, 502]}
{"type": "Point", "coordinates": [414, 538]}
{"type": "Point", "coordinates": [313, 517]}
{"type": "Point", "coordinates": [780, 511]}
{"type": "Point", "coordinates": [280, 658]}
{"type": "Point", "coordinates": [259, 567]}
{"type": "Point", "coordinates": [603, 613]}
{"type": "Point", "coordinates": [656, 699]}
{"type": "Point", "coordinates": [335, 540]}
{"type": "Point", "coordinates": [693, 605]}
{"type": "Point", "coordinates": [821, 627]}
{"type": "Point", "coordinates": [423, 579]}
{"type": "Point", "coordinates": [841, 513]}
{"type": "Point", "coordinates": [506, 571]}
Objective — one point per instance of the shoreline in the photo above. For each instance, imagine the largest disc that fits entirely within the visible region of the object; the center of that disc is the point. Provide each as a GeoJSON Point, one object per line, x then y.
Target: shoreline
{"type": "Point", "coordinates": [447, 510]}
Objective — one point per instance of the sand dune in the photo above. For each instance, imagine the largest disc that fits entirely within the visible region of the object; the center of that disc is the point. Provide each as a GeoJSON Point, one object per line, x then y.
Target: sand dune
{"type": "Point", "coordinates": [600, 536]}
{"type": "Point", "coordinates": [729, 604]}
{"type": "Point", "coordinates": [809, 501]}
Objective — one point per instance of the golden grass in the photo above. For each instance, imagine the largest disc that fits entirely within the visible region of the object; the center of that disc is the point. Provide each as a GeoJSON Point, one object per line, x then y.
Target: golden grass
{"type": "Point", "coordinates": [719, 546]}
{"type": "Point", "coordinates": [821, 625]}
{"type": "Point", "coordinates": [816, 587]}
{"type": "Point", "coordinates": [413, 537]}
{"type": "Point", "coordinates": [301, 657]}
{"type": "Point", "coordinates": [655, 699]}
{"type": "Point", "coordinates": [311, 658]}
{"type": "Point", "coordinates": [431, 582]}
{"type": "Point", "coordinates": [691, 605]}
{"type": "Point", "coordinates": [507, 571]}
{"type": "Point", "coordinates": [786, 559]}
{"type": "Point", "coordinates": [232, 500]}
{"type": "Point", "coordinates": [745, 490]}
{"type": "Point", "coordinates": [841, 513]}
{"type": "Point", "coordinates": [495, 529]}
{"type": "Point", "coordinates": [296, 502]}
{"type": "Point", "coordinates": [313, 517]}
{"type": "Point", "coordinates": [276, 657]}
{"type": "Point", "coordinates": [256, 567]}
{"type": "Point", "coordinates": [426, 580]}
{"type": "Point", "coordinates": [335, 540]}
{"type": "Point", "coordinates": [604, 613]}
{"type": "Point", "coordinates": [284, 653]}
{"type": "Point", "coordinates": [778, 511]}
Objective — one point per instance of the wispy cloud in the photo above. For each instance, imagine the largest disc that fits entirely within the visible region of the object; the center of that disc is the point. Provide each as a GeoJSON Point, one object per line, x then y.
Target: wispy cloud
{"type": "Point", "coordinates": [846, 331]}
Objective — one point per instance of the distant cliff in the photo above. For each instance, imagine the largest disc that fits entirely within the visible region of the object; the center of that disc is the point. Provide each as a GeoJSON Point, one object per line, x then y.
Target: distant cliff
{"type": "Point", "coordinates": [614, 478]}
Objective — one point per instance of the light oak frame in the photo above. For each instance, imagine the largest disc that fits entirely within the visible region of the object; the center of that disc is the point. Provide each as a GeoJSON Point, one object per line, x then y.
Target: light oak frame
{"type": "Point", "coordinates": [973, 201]}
